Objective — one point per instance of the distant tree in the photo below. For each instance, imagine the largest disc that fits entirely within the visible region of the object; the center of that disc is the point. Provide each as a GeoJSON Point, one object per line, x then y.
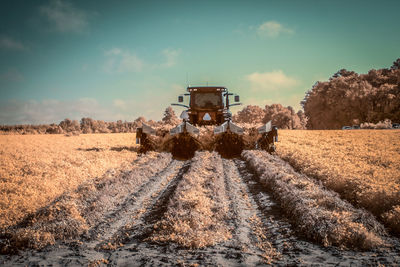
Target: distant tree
{"type": "Point", "coordinates": [250, 114]}
{"type": "Point", "coordinates": [396, 64]}
{"type": "Point", "coordinates": [86, 125]}
{"type": "Point", "coordinates": [138, 121]}
{"type": "Point", "coordinates": [54, 129]}
{"type": "Point", "coordinates": [343, 73]}
{"type": "Point", "coordinates": [169, 116]}
{"type": "Point", "coordinates": [348, 98]}
{"type": "Point", "coordinates": [102, 127]}
{"type": "Point", "coordinates": [65, 124]}
{"type": "Point", "coordinates": [69, 126]}
{"type": "Point", "coordinates": [283, 117]}
{"type": "Point", "coordinates": [303, 119]}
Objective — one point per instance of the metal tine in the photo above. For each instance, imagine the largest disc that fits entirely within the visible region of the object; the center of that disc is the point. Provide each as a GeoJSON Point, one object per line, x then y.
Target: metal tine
{"type": "Point", "coordinates": [228, 126]}
{"type": "Point", "coordinates": [265, 128]}
{"type": "Point", "coordinates": [184, 126]}
{"type": "Point", "coordinates": [147, 129]}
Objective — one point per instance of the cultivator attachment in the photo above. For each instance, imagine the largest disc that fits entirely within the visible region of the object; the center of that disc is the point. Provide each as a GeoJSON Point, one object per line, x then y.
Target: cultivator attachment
{"type": "Point", "coordinates": [183, 144]}
{"type": "Point", "coordinates": [229, 141]}
{"type": "Point", "coordinates": [181, 141]}
{"type": "Point", "coordinates": [184, 127]}
{"type": "Point", "coordinates": [269, 135]}
{"type": "Point", "coordinates": [144, 139]}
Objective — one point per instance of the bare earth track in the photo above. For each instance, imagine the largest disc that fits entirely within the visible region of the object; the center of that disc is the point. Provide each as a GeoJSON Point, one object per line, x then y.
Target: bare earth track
{"type": "Point", "coordinates": [206, 211]}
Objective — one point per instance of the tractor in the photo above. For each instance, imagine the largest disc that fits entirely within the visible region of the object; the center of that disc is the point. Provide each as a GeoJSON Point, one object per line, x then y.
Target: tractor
{"type": "Point", "coordinates": [208, 106]}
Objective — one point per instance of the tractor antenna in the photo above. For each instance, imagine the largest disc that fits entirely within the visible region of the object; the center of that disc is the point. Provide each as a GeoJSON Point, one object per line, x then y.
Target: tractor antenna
{"type": "Point", "coordinates": [187, 79]}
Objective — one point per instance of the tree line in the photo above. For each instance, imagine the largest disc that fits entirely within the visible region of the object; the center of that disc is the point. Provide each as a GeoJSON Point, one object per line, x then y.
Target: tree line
{"type": "Point", "coordinates": [89, 125]}
{"type": "Point", "coordinates": [74, 127]}
{"type": "Point", "coordinates": [371, 100]}
{"type": "Point", "coordinates": [349, 98]}
{"type": "Point", "coordinates": [283, 117]}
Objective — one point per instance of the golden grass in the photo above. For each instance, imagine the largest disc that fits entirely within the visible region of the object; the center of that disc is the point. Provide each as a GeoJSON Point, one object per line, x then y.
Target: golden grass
{"type": "Point", "coordinates": [318, 213]}
{"type": "Point", "coordinates": [197, 211]}
{"type": "Point", "coordinates": [363, 166]}
{"type": "Point", "coordinates": [75, 212]}
{"type": "Point", "coordinates": [34, 169]}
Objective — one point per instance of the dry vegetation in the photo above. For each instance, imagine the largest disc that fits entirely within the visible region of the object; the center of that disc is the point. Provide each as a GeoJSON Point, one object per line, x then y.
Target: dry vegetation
{"type": "Point", "coordinates": [75, 212]}
{"type": "Point", "coordinates": [363, 166]}
{"type": "Point", "coordinates": [319, 214]}
{"type": "Point", "coordinates": [196, 213]}
{"type": "Point", "coordinates": [34, 169]}
{"type": "Point", "coordinates": [94, 198]}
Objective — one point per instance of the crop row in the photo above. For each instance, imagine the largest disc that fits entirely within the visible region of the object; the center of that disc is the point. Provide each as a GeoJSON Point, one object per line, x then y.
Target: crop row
{"type": "Point", "coordinates": [362, 166]}
{"type": "Point", "coordinates": [317, 213]}
{"type": "Point", "coordinates": [196, 213]}
{"type": "Point", "coordinates": [74, 213]}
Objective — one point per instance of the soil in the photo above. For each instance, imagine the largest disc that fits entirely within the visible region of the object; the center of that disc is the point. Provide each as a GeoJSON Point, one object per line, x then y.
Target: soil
{"type": "Point", "coordinates": [120, 234]}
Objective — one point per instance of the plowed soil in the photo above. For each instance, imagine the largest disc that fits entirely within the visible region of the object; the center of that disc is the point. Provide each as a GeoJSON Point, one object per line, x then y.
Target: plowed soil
{"type": "Point", "coordinates": [205, 211]}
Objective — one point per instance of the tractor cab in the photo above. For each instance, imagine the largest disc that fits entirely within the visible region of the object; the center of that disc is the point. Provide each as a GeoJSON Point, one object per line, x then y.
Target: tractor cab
{"type": "Point", "coordinates": [208, 105]}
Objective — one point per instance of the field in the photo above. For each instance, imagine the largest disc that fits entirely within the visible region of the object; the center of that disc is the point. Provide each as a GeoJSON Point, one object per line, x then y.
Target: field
{"type": "Point", "coordinates": [34, 169]}
{"type": "Point", "coordinates": [362, 166]}
{"type": "Point", "coordinates": [92, 200]}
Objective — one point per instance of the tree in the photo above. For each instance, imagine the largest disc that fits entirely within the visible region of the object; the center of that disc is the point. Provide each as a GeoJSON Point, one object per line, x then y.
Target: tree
{"type": "Point", "coordinates": [170, 117]}
{"type": "Point", "coordinates": [283, 117]}
{"type": "Point", "coordinates": [396, 64]}
{"type": "Point", "coordinates": [250, 114]}
{"type": "Point", "coordinates": [303, 119]}
{"type": "Point", "coordinates": [86, 125]}
{"type": "Point", "coordinates": [349, 97]}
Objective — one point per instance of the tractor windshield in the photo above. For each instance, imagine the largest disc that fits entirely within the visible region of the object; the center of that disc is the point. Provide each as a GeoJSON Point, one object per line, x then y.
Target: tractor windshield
{"type": "Point", "coordinates": [207, 100]}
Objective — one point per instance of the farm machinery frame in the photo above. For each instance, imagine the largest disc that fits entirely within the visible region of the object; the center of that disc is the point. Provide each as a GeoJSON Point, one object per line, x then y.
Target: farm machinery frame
{"type": "Point", "coordinates": [208, 106]}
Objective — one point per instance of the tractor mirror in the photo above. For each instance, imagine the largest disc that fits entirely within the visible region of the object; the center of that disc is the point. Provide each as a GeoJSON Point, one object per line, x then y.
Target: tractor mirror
{"type": "Point", "coordinates": [180, 98]}
{"type": "Point", "coordinates": [237, 98]}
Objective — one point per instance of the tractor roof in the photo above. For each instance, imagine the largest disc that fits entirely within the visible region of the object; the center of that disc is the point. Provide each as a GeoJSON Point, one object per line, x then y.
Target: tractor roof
{"type": "Point", "coordinates": [207, 89]}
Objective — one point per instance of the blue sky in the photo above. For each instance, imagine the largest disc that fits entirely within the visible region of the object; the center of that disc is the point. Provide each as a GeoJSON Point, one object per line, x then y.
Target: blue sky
{"type": "Point", "coordinates": [113, 60]}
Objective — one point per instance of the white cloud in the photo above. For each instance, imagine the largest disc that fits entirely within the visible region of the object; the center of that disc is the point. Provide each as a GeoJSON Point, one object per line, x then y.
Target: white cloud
{"type": "Point", "coordinates": [119, 103]}
{"type": "Point", "coordinates": [11, 75]}
{"type": "Point", "coordinates": [52, 111]}
{"type": "Point", "coordinates": [114, 51]}
{"type": "Point", "coordinates": [11, 44]}
{"type": "Point", "coordinates": [270, 81]}
{"type": "Point", "coordinates": [294, 101]}
{"type": "Point", "coordinates": [64, 17]}
{"type": "Point", "coordinates": [272, 29]}
{"type": "Point", "coordinates": [122, 60]}
{"type": "Point", "coordinates": [170, 57]}
{"type": "Point", "coordinates": [119, 60]}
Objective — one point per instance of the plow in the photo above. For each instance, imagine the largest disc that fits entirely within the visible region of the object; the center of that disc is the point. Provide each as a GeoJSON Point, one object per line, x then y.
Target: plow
{"type": "Point", "coordinates": [208, 107]}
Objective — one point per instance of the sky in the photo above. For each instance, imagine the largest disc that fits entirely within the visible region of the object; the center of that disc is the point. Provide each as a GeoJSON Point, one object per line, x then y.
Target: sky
{"type": "Point", "coordinates": [118, 60]}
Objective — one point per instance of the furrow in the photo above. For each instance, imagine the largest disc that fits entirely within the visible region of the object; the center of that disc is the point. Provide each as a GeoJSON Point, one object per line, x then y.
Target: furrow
{"type": "Point", "coordinates": [196, 213]}
{"type": "Point", "coordinates": [75, 213]}
{"type": "Point", "coordinates": [317, 213]}
{"type": "Point", "coordinates": [134, 205]}
{"type": "Point", "coordinates": [250, 235]}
